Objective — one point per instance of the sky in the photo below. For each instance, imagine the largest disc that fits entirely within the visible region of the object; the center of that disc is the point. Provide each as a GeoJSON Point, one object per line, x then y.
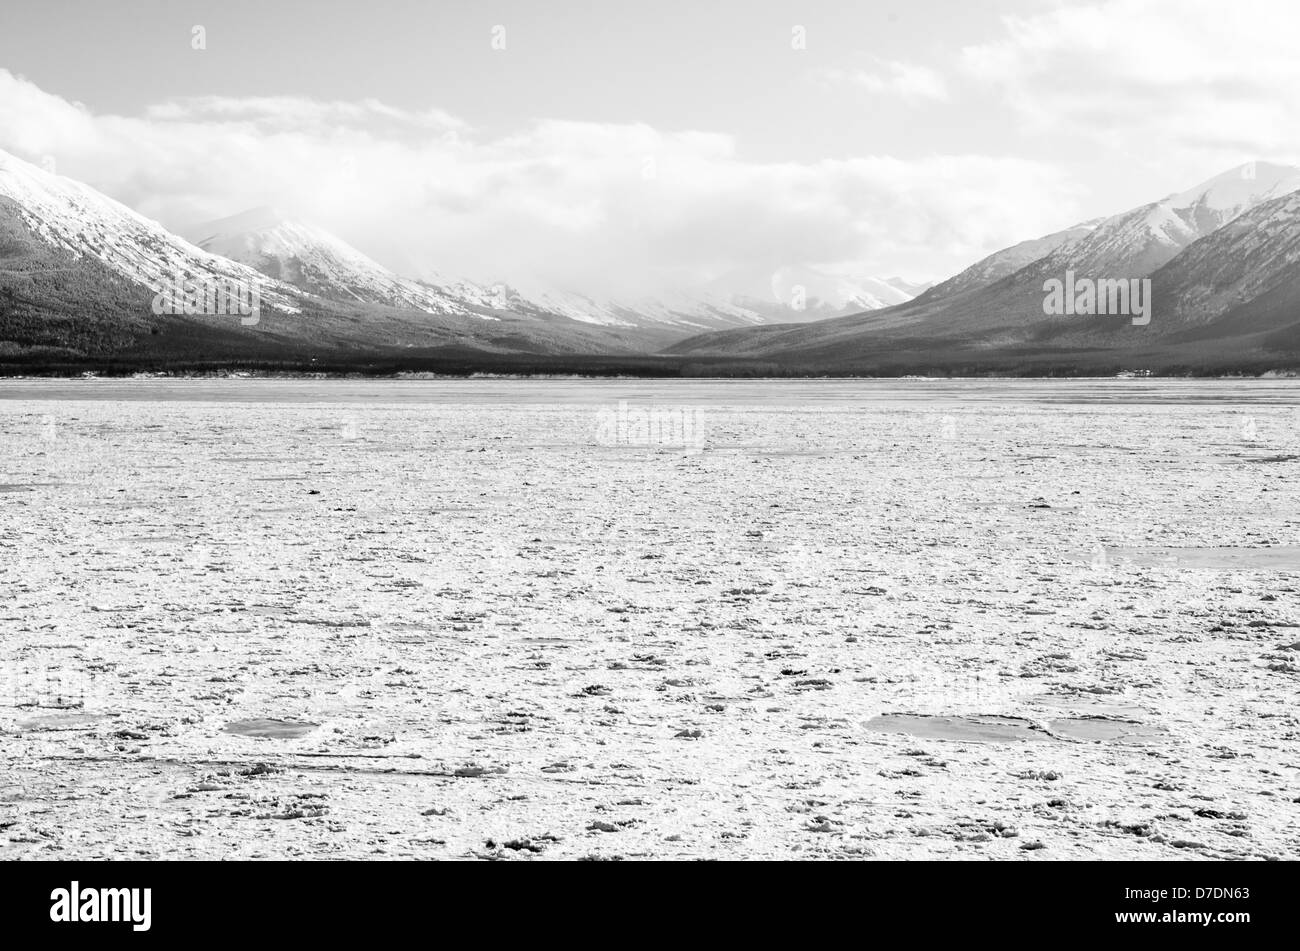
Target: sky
{"type": "Point", "coordinates": [618, 147]}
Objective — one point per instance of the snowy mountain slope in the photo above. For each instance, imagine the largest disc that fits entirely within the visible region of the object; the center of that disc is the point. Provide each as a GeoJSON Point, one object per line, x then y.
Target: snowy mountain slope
{"type": "Point", "coordinates": [1257, 253]}
{"type": "Point", "coordinates": [910, 288]}
{"type": "Point", "coordinates": [1211, 205]}
{"type": "Point", "coordinates": [58, 305]}
{"type": "Point", "coordinates": [544, 303]}
{"type": "Point", "coordinates": [78, 270]}
{"type": "Point", "coordinates": [323, 265]}
{"type": "Point", "coordinates": [800, 294]}
{"type": "Point", "coordinates": [1002, 263]}
{"type": "Point", "coordinates": [294, 266]}
{"type": "Point", "coordinates": [79, 273]}
{"type": "Point", "coordinates": [1136, 242]}
{"type": "Point", "coordinates": [77, 219]}
{"type": "Point", "coordinates": [689, 309]}
{"type": "Point", "coordinates": [1009, 311]}
{"type": "Point", "coordinates": [1129, 245]}
{"type": "Point", "coordinates": [740, 299]}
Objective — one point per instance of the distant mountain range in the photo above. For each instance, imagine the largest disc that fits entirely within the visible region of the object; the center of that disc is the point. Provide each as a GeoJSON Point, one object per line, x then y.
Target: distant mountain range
{"type": "Point", "coordinates": [1007, 261]}
{"type": "Point", "coordinates": [79, 273]}
{"type": "Point", "coordinates": [1221, 258]}
{"type": "Point", "coordinates": [323, 265]}
{"type": "Point", "coordinates": [803, 294]}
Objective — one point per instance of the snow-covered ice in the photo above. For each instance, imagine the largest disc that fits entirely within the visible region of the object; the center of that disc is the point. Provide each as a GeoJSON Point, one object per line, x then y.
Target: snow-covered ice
{"type": "Point", "coordinates": [444, 619]}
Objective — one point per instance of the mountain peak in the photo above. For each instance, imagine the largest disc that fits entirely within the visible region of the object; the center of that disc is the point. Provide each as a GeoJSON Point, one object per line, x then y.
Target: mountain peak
{"type": "Point", "coordinates": [799, 293]}
{"type": "Point", "coordinates": [1239, 188]}
{"type": "Point", "coordinates": [326, 266]}
{"type": "Point", "coordinates": [81, 223]}
{"type": "Point", "coordinates": [262, 218]}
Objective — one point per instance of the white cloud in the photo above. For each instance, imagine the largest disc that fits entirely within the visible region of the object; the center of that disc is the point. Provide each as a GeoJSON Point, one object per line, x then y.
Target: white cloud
{"type": "Point", "coordinates": [296, 112]}
{"type": "Point", "coordinates": [1195, 83]}
{"type": "Point", "coordinates": [605, 206]}
{"type": "Point", "coordinates": [910, 82]}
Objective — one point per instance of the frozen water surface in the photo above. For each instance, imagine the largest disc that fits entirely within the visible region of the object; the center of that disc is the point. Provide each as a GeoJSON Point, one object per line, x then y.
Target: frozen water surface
{"type": "Point", "coordinates": [648, 618]}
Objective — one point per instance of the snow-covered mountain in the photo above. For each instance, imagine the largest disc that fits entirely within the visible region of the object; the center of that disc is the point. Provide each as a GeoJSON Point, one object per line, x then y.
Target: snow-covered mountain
{"type": "Point", "coordinates": [290, 262]}
{"type": "Point", "coordinates": [1223, 254]}
{"type": "Point", "coordinates": [78, 271]}
{"type": "Point", "coordinates": [1256, 254]}
{"type": "Point", "coordinates": [1136, 242]}
{"type": "Point", "coordinates": [687, 310]}
{"type": "Point", "coordinates": [799, 294]}
{"type": "Point", "coordinates": [80, 276]}
{"type": "Point", "coordinates": [323, 265]}
{"type": "Point", "coordinates": [1007, 261]}
{"type": "Point", "coordinates": [738, 299]}
{"type": "Point", "coordinates": [911, 288]}
{"type": "Point", "coordinates": [70, 217]}
{"type": "Point", "coordinates": [1132, 244]}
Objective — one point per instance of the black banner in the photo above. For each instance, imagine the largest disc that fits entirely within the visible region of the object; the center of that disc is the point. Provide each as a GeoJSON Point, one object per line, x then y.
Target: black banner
{"type": "Point", "coordinates": [138, 901]}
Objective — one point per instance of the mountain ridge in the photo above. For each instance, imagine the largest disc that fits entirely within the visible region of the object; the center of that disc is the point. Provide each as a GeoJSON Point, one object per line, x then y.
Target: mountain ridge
{"type": "Point", "coordinates": [79, 271]}
{"type": "Point", "coordinates": [1008, 313]}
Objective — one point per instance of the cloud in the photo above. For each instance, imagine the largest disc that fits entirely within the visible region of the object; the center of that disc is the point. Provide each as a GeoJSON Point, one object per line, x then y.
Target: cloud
{"type": "Point", "coordinates": [910, 82]}
{"type": "Point", "coordinates": [1190, 80]}
{"type": "Point", "coordinates": [296, 112]}
{"type": "Point", "coordinates": [614, 207]}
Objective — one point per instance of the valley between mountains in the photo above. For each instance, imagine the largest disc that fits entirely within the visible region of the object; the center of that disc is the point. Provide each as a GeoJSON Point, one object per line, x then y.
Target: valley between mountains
{"type": "Point", "coordinates": [79, 273]}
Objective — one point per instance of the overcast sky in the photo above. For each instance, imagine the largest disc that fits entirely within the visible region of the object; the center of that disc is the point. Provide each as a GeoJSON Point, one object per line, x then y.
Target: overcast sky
{"type": "Point", "coordinates": [615, 144]}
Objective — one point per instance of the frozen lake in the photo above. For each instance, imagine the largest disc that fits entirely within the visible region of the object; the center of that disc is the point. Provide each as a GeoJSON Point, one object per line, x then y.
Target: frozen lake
{"type": "Point", "coordinates": [649, 618]}
{"type": "Point", "coordinates": [1279, 392]}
